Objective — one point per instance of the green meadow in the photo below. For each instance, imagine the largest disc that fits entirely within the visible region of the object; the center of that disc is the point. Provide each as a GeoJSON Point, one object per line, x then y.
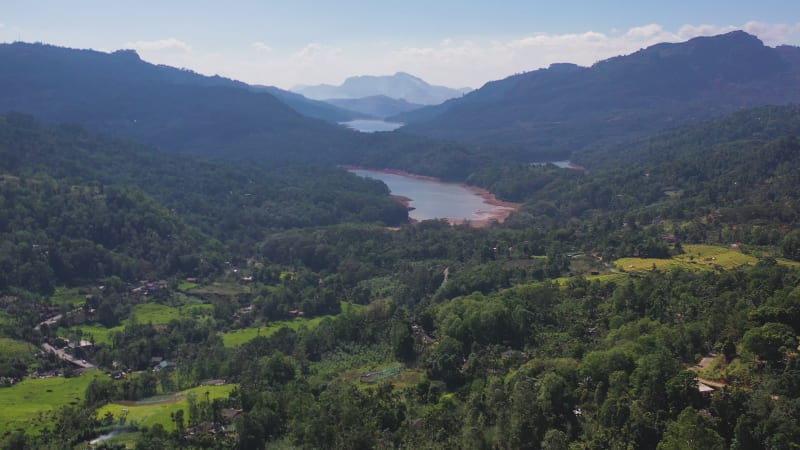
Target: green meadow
{"type": "Point", "coordinates": [24, 404]}
{"type": "Point", "coordinates": [70, 297]}
{"type": "Point", "coordinates": [238, 337]}
{"type": "Point", "coordinates": [158, 410]}
{"type": "Point", "coordinates": [695, 257]}
{"type": "Point", "coordinates": [159, 314]}
{"type": "Point", "coordinates": [154, 313]}
{"type": "Point", "coordinates": [11, 349]}
{"type": "Point", "coordinates": [99, 333]}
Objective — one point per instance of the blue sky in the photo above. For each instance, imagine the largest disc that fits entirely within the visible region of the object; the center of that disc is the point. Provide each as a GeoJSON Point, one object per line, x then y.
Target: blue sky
{"type": "Point", "coordinates": [455, 43]}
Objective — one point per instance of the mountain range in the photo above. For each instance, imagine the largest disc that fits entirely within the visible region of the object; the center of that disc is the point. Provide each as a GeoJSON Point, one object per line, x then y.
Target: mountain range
{"type": "Point", "coordinates": [564, 110]}
{"type": "Point", "coordinates": [567, 108]}
{"type": "Point", "coordinates": [401, 86]}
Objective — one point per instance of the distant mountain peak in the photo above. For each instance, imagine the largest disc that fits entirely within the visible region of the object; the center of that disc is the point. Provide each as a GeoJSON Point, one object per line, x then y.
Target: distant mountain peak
{"type": "Point", "coordinates": [400, 86]}
{"type": "Point", "coordinates": [129, 54]}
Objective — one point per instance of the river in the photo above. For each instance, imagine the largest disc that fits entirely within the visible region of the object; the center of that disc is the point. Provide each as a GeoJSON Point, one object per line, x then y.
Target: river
{"type": "Point", "coordinates": [432, 199]}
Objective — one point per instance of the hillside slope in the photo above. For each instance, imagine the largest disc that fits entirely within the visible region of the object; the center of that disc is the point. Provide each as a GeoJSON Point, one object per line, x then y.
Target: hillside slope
{"type": "Point", "coordinates": [173, 109]}
{"type": "Point", "coordinates": [566, 108]}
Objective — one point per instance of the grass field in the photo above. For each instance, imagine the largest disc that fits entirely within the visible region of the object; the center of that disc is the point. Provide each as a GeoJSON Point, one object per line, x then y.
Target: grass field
{"type": "Point", "coordinates": [238, 337]}
{"type": "Point", "coordinates": [22, 405]}
{"type": "Point", "coordinates": [101, 334]}
{"type": "Point", "coordinates": [156, 313]}
{"type": "Point", "coordinates": [11, 349]}
{"type": "Point", "coordinates": [67, 296]}
{"type": "Point", "coordinates": [695, 257]}
{"type": "Point", "coordinates": [149, 414]}
{"type": "Point", "coordinates": [242, 336]}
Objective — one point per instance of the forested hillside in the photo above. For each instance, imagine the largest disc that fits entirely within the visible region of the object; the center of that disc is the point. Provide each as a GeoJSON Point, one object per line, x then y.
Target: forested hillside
{"type": "Point", "coordinates": [563, 109]}
{"type": "Point", "coordinates": [175, 110]}
{"type": "Point", "coordinates": [79, 208]}
{"type": "Point", "coordinates": [579, 322]}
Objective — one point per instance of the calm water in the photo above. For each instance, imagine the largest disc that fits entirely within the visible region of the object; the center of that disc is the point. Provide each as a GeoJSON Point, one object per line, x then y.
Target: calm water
{"type": "Point", "coordinates": [432, 199]}
{"type": "Point", "coordinates": [371, 126]}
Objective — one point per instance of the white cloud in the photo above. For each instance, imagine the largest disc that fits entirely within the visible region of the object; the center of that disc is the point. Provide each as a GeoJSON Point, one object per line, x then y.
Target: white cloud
{"type": "Point", "coordinates": [316, 52]}
{"type": "Point", "coordinates": [450, 61]}
{"type": "Point", "coordinates": [645, 32]}
{"type": "Point", "coordinates": [261, 47]}
{"type": "Point", "coordinates": [170, 45]}
{"type": "Point", "coordinates": [773, 34]}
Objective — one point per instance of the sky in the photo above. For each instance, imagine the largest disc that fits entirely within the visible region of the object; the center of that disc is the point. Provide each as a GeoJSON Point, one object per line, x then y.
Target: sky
{"type": "Point", "coordinates": [446, 42]}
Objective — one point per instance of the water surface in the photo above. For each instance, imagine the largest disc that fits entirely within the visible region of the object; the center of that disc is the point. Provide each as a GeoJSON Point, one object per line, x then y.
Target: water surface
{"type": "Point", "coordinates": [371, 126]}
{"type": "Point", "coordinates": [434, 199]}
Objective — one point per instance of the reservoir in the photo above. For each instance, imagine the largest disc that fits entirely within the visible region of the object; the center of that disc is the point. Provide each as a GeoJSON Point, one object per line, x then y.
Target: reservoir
{"type": "Point", "coordinates": [432, 199]}
{"type": "Point", "coordinates": [371, 126]}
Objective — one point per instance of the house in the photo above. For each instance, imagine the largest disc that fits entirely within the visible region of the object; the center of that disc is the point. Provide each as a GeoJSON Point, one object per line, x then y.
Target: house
{"type": "Point", "coordinates": [163, 365]}
{"type": "Point", "coordinates": [705, 390]}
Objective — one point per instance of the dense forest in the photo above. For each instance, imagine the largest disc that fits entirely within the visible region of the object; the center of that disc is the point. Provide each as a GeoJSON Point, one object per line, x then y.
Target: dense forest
{"type": "Point", "coordinates": [610, 311]}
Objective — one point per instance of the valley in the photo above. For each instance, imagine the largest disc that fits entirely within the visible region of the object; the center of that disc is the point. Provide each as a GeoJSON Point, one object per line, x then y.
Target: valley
{"type": "Point", "coordinates": [190, 261]}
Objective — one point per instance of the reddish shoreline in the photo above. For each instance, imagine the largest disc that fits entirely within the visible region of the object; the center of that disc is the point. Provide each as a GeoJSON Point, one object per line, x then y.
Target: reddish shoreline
{"type": "Point", "coordinates": [499, 213]}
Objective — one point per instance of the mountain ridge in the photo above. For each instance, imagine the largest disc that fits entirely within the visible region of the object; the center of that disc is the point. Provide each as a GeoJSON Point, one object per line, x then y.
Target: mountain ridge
{"type": "Point", "coordinates": [173, 109]}
{"type": "Point", "coordinates": [567, 107]}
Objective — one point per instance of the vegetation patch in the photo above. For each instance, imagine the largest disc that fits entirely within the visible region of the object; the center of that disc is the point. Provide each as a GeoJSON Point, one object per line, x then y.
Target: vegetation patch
{"type": "Point", "coordinates": [394, 373]}
{"type": "Point", "coordinates": [238, 337]}
{"type": "Point", "coordinates": [23, 406]}
{"type": "Point", "coordinates": [153, 313]}
{"type": "Point", "coordinates": [156, 313]}
{"type": "Point", "coordinates": [70, 297]}
{"type": "Point", "coordinates": [149, 412]}
{"type": "Point", "coordinates": [13, 352]}
{"type": "Point", "coordinates": [244, 335]}
{"type": "Point", "coordinates": [695, 257]}
{"type": "Point", "coordinates": [186, 286]}
{"type": "Point", "coordinates": [96, 332]}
